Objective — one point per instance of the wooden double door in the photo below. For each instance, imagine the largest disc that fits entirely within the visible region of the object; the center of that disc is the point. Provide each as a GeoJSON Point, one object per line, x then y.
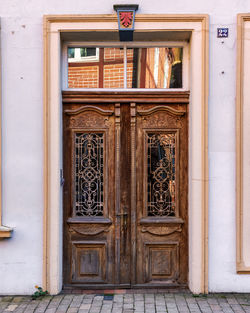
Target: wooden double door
{"type": "Point", "coordinates": [125, 191]}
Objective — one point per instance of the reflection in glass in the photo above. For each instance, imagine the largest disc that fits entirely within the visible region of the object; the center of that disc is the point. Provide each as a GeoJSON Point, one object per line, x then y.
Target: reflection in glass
{"type": "Point", "coordinates": [157, 68]}
{"type": "Point", "coordinates": [132, 65]}
{"type": "Point", "coordinates": [113, 75]}
{"type": "Point", "coordinates": [95, 67]}
{"type": "Point", "coordinates": [88, 172]}
{"type": "Point", "coordinates": [153, 68]}
{"type": "Point", "coordinates": [88, 52]}
{"type": "Point", "coordinates": [161, 182]}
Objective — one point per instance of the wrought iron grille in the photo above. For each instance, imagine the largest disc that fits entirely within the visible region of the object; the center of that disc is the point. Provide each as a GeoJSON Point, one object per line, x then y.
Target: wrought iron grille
{"type": "Point", "coordinates": [161, 172]}
{"type": "Point", "coordinates": [88, 172]}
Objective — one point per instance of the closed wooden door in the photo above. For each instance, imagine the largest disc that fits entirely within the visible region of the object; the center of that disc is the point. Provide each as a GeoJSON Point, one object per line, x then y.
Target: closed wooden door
{"type": "Point", "coordinates": [125, 193]}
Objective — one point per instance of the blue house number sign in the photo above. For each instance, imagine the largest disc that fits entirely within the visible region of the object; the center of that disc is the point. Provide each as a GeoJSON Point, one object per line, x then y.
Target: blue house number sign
{"type": "Point", "coordinates": [222, 32]}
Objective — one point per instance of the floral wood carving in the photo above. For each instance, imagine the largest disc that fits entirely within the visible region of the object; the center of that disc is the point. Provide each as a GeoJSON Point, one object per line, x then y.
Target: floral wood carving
{"type": "Point", "coordinates": [161, 230]}
{"type": "Point", "coordinates": [162, 120]}
{"type": "Point", "coordinates": [89, 230]}
{"type": "Point", "coordinates": [162, 109]}
{"type": "Point", "coordinates": [89, 119]}
{"type": "Point", "coordinates": [87, 109]}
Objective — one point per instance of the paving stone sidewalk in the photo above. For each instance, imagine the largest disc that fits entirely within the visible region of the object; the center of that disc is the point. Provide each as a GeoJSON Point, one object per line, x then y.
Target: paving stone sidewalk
{"type": "Point", "coordinates": [128, 303]}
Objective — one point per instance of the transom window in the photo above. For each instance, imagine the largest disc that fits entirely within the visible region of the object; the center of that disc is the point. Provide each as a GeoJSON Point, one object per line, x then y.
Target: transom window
{"type": "Point", "coordinates": [154, 67]}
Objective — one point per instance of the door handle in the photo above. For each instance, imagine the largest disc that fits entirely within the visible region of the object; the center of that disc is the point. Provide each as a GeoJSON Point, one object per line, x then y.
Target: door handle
{"type": "Point", "coordinates": [124, 228]}
{"type": "Point", "coordinates": [122, 214]}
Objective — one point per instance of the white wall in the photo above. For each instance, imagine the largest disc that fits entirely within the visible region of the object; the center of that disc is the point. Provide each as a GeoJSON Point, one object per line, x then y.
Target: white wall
{"type": "Point", "coordinates": [22, 80]}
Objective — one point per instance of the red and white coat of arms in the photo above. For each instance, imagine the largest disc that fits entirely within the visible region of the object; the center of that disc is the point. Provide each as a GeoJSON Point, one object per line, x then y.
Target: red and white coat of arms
{"type": "Point", "coordinates": [126, 18]}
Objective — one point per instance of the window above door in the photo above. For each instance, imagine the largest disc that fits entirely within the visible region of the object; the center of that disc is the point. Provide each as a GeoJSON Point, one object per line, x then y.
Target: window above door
{"type": "Point", "coordinates": [158, 66]}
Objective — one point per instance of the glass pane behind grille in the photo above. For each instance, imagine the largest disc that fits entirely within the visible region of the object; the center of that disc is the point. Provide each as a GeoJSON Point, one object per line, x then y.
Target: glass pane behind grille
{"type": "Point", "coordinates": [161, 171]}
{"type": "Point", "coordinates": [88, 173]}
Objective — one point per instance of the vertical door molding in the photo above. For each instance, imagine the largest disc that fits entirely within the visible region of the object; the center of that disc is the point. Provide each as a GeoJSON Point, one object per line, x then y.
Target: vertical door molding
{"type": "Point", "coordinates": [133, 188]}
{"type": "Point", "coordinates": [242, 146]}
{"type": "Point", "coordinates": [117, 194]}
{"type": "Point", "coordinates": [197, 25]}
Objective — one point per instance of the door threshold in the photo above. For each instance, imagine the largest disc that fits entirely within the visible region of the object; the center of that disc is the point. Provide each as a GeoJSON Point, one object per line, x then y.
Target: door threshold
{"type": "Point", "coordinates": [118, 290]}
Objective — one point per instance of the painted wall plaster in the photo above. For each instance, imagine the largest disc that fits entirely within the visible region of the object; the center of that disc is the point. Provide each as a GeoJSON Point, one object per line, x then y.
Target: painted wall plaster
{"type": "Point", "coordinates": [22, 81]}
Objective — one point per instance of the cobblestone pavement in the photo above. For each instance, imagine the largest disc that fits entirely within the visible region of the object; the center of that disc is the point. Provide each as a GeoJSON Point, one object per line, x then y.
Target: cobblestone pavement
{"type": "Point", "coordinates": [128, 303]}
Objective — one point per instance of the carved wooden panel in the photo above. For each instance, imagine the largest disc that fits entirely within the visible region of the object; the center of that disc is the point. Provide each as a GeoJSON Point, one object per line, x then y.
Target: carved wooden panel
{"type": "Point", "coordinates": [89, 262]}
{"type": "Point", "coordinates": [88, 117]}
{"type": "Point", "coordinates": [161, 119]}
{"type": "Point", "coordinates": [87, 120]}
{"type": "Point", "coordinates": [89, 229]}
{"type": "Point", "coordinates": [161, 261]}
{"type": "Point", "coordinates": [161, 230]}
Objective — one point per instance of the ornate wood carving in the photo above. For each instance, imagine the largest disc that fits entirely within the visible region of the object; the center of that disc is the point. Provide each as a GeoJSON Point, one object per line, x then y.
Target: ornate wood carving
{"type": "Point", "coordinates": [89, 230]}
{"type": "Point", "coordinates": [89, 108]}
{"type": "Point", "coordinates": [161, 230]}
{"type": "Point", "coordinates": [161, 138]}
{"type": "Point", "coordinates": [89, 119]}
{"type": "Point", "coordinates": [161, 120]}
{"type": "Point", "coordinates": [161, 108]}
{"type": "Point", "coordinates": [133, 187]}
{"type": "Point", "coordinates": [117, 184]}
{"type": "Point", "coordinates": [125, 245]}
{"type": "Point", "coordinates": [89, 143]}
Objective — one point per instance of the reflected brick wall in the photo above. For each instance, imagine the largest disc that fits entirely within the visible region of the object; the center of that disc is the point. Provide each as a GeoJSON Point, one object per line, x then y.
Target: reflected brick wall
{"type": "Point", "coordinates": [107, 72]}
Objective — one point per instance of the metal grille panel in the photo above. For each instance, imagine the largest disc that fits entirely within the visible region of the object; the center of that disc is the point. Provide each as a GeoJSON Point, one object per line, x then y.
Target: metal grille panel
{"type": "Point", "coordinates": [161, 172]}
{"type": "Point", "coordinates": [89, 174]}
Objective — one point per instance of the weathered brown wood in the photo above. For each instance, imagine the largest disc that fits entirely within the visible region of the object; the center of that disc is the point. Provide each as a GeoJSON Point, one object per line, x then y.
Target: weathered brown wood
{"type": "Point", "coordinates": [101, 67]}
{"type": "Point", "coordinates": [89, 247]}
{"type": "Point", "coordinates": [143, 67]}
{"type": "Point", "coordinates": [126, 246]}
{"type": "Point", "coordinates": [133, 192]}
{"type": "Point", "coordinates": [117, 192]}
{"type": "Point", "coordinates": [125, 209]}
{"type": "Point", "coordinates": [162, 246]}
{"type": "Point", "coordinates": [161, 220]}
{"type": "Point", "coordinates": [170, 97]}
{"type": "Point", "coordinates": [89, 220]}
